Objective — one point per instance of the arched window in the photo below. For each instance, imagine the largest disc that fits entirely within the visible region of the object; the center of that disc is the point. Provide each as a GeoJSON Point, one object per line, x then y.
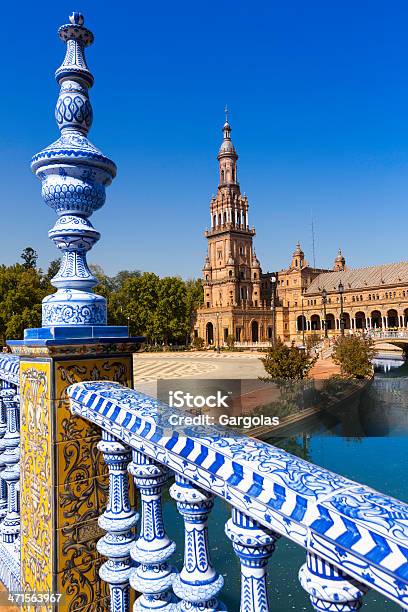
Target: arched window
{"type": "Point", "coordinates": [222, 176]}
{"type": "Point", "coordinates": [215, 220]}
{"type": "Point", "coordinates": [255, 275]}
{"type": "Point", "coordinates": [230, 273]}
{"type": "Point", "coordinates": [225, 217]}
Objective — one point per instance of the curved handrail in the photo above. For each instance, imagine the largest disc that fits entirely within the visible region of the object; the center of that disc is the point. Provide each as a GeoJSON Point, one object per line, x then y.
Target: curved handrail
{"type": "Point", "coordinates": [359, 530]}
{"type": "Point", "coordinates": [9, 368]}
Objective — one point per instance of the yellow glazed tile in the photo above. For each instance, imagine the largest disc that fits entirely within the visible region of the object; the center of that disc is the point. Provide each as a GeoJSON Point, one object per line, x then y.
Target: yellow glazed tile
{"type": "Point", "coordinates": [79, 459]}
{"type": "Point", "coordinates": [77, 544]}
{"type": "Point", "coordinates": [36, 535]}
{"type": "Point", "coordinates": [70, 371]}
{"type": "Point", "coordinates": [80, 501]}
{"type": "Point", "coordinates": [36, 476]}
{"type": "Point", "coordinates": [69, 426]}
{"type": "Point", "coordinates": [99, 606]}
{"type": "Point", "coordinates": [81, 586]}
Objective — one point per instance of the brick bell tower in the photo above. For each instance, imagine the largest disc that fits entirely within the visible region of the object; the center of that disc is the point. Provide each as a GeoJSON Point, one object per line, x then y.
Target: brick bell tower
{"type": "Point", "coordinates": [236, 293]}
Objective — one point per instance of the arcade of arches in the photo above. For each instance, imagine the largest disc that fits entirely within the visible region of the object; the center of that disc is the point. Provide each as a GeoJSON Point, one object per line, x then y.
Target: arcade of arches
{"type": "Point", "coordinates": [372, 298]}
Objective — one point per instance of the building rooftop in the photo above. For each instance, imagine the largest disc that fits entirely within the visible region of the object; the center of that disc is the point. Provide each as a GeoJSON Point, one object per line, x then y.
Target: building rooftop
{"type": "Point", "coordinates": [361, 278]}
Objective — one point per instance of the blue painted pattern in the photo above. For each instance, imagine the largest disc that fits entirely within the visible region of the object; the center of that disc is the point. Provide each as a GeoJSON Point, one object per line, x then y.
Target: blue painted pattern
{"type": "Point", "coordinates": [74, 175]}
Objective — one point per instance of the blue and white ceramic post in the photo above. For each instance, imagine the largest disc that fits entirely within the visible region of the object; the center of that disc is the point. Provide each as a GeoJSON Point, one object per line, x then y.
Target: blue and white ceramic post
{"type": "Point", "coordinates": [253, 545]}
{"type": "Point", "coordinates": [330, 590]}
{"type": "Point", "coordinates": [153, 576]}
{"type": "Point", "coordinates": [118, 520]}
{"type": "Point", "coordinates": [5, 390]}
{"type": "Point", "coordinates": [198, 583]}
{"type": "Point", "coordinates": [74, 174]}
{"type": "Point", "coordinates": [10, 528]}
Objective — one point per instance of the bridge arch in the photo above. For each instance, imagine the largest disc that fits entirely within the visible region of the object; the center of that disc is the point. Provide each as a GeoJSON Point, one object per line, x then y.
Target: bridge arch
{"type": "Point", "coordinates": [392, 318]}
{"type": "Point", "coordinates": [376, 319]}
{"type": "Point", "coordinates": [330, 321]}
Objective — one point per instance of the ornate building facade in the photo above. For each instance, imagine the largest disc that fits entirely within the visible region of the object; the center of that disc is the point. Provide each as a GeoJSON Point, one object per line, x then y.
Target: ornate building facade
{"type": "Point", "coordinates": [237, 295]}
{"type": "Point", "coordinates": [373, 297]}
{"type": "Point", "coordinates": [242, 302]}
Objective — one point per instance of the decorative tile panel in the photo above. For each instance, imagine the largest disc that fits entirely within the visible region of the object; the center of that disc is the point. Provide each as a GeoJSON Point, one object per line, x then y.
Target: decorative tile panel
{"type": "Point", "coordinates": [36, 476]}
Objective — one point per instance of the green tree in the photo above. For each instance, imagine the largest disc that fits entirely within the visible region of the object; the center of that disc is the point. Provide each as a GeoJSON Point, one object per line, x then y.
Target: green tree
{"type": "Point", "coordinates": [53, 268]}
{"type": "Point", "coordinates": [230, 341]}
{"type": "Point", "coordinates": [21, 292]}
{"type": "Point", "coordinates": [137, 300]}
{"type": "Point", "coordinates": [29, 257]}
{"type": "Point", "coordinates": [198, 343]}
{"type": "Point", "coordinates": [171, 312]}
{"type": "Point", "coordinates": [194, 299]}
{"type": "Point", "coordinates": [354, 355]}
{"type": "Point", "coordinates": [287, 362]}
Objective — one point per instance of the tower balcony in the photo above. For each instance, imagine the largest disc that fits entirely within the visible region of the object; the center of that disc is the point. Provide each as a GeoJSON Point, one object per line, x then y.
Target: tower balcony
{"type": "Point", "coordinates": [230, 227]}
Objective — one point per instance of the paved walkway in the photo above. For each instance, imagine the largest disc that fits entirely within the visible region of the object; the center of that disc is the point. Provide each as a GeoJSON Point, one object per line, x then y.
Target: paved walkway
{"type": "Point", "coordinates": [324, 368]}
{"type": "Point", "coordinates": [150, 367]}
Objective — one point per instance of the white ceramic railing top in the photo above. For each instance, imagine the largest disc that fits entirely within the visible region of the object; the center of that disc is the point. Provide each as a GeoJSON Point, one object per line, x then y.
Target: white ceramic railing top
{"type": "Point", "coordinates": [10, 471]}
{"type": "Point", "coordinates": [355, 537]}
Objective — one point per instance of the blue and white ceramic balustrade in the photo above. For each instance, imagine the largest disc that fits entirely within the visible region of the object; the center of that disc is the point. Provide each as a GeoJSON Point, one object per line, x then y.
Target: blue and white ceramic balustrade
{"type": "Point", "coordinates": [9, 471]}
{"type": "Point", "coordinates": [355, 537]}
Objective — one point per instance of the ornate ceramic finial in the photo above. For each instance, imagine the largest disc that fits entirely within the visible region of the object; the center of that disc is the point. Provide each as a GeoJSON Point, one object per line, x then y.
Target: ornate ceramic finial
{"type": "Point", "coordinates": [74, 174]}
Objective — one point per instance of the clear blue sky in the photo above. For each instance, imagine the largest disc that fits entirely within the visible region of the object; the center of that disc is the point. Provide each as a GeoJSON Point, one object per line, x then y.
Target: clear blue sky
{"type": "Point", "coordinates": [318, 93]}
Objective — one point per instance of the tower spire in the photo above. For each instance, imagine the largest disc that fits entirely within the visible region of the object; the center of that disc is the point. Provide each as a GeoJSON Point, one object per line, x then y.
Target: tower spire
{"type": "Point", "coordinates": [74, 174]}
{"type": "Point", "coordinates": [227, 156]}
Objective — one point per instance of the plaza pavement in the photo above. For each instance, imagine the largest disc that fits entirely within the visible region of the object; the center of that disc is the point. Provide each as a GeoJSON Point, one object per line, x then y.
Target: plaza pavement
{"type": "Point", "coordinates": [150, 367]}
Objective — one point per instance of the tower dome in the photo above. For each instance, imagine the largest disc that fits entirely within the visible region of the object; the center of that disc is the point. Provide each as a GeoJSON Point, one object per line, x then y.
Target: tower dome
{"type": "Point", "coordinates": [339, 262]}
{"type": "Point", "coordinates": [298, 257]}
{"type": "Point", "coordinates": [298, 251]}
{"type": "Point", "coordinates": [255, 261]}
{"type": "Point", "coordinates": [227, 148]}
{"type": "Point", "coordinates": [207, 265]}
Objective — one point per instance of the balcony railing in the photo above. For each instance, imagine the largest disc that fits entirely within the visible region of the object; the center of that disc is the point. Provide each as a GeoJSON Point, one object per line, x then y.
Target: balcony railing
{"type": "Point", "coordinates": [9, 472]}
{"type": "Point", "coordinates": [384, 334]}
{"type": "Point", "coordinates": [355, 538]}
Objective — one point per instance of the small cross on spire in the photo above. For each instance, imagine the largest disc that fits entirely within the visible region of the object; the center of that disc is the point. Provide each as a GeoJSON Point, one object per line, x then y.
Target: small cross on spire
{"type": "Point", "coordinates": [226, 110]}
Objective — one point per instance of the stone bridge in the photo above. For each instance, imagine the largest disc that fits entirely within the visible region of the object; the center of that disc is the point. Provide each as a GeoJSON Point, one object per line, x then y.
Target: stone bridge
{"type": "Point", "coordinates": [398, 337]}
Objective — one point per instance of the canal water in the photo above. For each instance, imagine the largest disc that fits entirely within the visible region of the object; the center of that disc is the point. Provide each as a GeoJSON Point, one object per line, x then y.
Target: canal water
{"type": "Point", "coordinates": [377, 457]}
